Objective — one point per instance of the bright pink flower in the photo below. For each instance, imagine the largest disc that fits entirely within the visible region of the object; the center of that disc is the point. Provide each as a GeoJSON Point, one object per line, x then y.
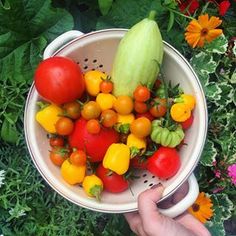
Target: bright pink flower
{"type": "Point", "coordinates": [191, 5]}
{"type": "Point", "coordinates": [232, 173]}
{"type": "Point", "coordinates": [217, 173]}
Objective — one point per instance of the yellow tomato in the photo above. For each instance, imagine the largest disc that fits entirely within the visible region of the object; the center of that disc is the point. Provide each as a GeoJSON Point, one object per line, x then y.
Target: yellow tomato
{"type": "Point", "coordinates": [72, 174]}
{"type": "Point", "coordinates": [93, 79]}
{"type": "Point", "coordinates": [124, 105]}
{"type": "Point", "coordinates": [180, 112]}
{"type": "Point", "coordinates": [105, 101]}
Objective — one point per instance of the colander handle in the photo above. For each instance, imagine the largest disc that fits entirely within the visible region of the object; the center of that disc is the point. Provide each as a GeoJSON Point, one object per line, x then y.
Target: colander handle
{"type": "Point", "coordinates": [60, 41]}
{"type": "Point", "coordinates": [186, 202]}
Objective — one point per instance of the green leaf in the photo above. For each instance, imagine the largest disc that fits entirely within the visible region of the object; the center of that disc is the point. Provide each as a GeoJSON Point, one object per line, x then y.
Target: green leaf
{"type": "Point", "coordinates": [104, 6]}
{"type": "Point", "coordinates": [171, 21]}
{"type": "Point", "coordinates": [209, 154]}
{"type": "Point", "coordinates": [234, 48]}
{"type": "Point", "coordinates": [204, 65]}
{"type": "Point", "coordinates": [25, 29]}
{"type": "Point", "coordinates": [219, 45]}
{"type": "Point", "coordinates": [9, 133]}
{"type": "Point", "coordinates": [216, 228]}
{"type": "Point", "coordinates": [213, 91]}
{"type": "Point", "coordinates": [125, 14]}
{"type": "Point", "coordinates": [226, 95]}
{"type": "Point", "coordinates": [233, 77]}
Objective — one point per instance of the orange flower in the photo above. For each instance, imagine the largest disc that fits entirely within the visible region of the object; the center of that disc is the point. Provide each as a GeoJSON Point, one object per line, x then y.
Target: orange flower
{"type": "Point", "coordinates": [201, 30]}
{"type": "Point", "coordinates": [201, 209]}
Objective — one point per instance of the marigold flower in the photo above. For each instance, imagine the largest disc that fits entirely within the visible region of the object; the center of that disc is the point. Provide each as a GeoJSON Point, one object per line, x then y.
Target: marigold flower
{"type": "Point", "coordinates": [232, 173]}
{"type": "Point", "coordinates": [201, 30]}
{"type": "Point", "coordinates": [202, 208]}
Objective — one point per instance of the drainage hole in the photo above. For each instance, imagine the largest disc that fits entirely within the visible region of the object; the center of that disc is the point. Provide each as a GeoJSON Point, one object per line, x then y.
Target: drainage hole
{"type": "Point", "coordinates": [145, 181]}
{"type": "Point", "coordinates": [85, 67]}
{"type": "Point", "coordinates": [95, 60]}
{"type": "Point", "coordinates": [153, 176]}
{"type": "Point", "coordinates": [150, 185]}
{"type": "Point", "coordinates": [100, 66]}
{"type": "Point", "coordinates": [144, 175]}
{"type": "Point", "coordinates": [86, 59]}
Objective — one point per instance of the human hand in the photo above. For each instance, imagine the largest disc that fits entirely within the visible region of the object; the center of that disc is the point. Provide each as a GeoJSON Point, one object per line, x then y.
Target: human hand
{"type": "Point", "coordinates": [148, 221]}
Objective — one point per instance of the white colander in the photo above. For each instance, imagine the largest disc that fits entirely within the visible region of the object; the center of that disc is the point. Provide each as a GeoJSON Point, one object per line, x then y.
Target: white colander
{"type": "Point", "coordinates": [96, 50]}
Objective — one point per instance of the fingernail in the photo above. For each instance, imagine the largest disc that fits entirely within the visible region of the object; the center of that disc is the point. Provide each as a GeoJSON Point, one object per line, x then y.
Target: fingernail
{"type": "Point", "coordinates": [156, 186]}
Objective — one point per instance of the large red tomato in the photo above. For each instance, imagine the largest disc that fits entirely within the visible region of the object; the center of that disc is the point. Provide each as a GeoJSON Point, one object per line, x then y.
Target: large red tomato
{"type": "Point", "coordinates": [164, 163]}
{"type": "Point", "coordinates": [112, 182]}
{"type": "Point", "coordinates": [95, 145]}
{"type": "Point", "coordinates": [59, 80]}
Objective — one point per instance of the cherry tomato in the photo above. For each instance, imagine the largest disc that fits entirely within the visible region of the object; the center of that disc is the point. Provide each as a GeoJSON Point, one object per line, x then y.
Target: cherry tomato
{"type": "Point", "coordinates": [158, 107]}
{"type": "Point", "coordinates": [72, 109]}
{"type": "Point", "coordinates": [164, 163]}
{"type": "Point", "coordinates": [187, 124]}
{"type": "Point", "coordinates": [157, 83]}
{"type": "Point", "coordinates": [59, 80]}
{"type": "Point", "coordinates": [141, 93]}
{"type": "Point", "coordinates": [78, 158]}
{"type": "Point", "coordinates": [64, 126]}
{"type": "Point", "coordinates": [139, 163]}
{"type": "Point", "coordinates": [112, 182]}
{"type": "Point", "coordinates": [106, 86]}
{"type": "Point", "coordinates": [93, 126]}
{"type": "Point", "coordinates": [91, 110]}
{"type": "Point", "coordinates": [140, 107]}
{"type": "Point", "coordinates": [146, 114]}
{"type": "Point", "coordinates": [124, 105]}
{"type": "Point", "coordinates": [58, 155]}
{"type": "Point", "coordinates": [141, 127]}
{"type": "Point", "coordinates": [109, 118]}
{"type": "Point", "coordinates": [56, 141]}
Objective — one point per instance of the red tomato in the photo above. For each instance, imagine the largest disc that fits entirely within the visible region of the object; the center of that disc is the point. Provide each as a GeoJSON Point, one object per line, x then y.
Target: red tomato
{"type": "Point", "coordinates": [139, 163]}
{"type": "Point", "coordinates": [187, 124]}
{"type": "Point", "coordinates": [59, 80]}
{"type": "Point", "coordinates": [141, 93]}
{"type": "Point", "coordinates": [78, 158]}
{"type": "Point", "coordinates": [140, 107]}
{"type": "Point", "coordinates": [158, 107]}
{"type": "Point", "coordinates": [147, 115]}
{"type": "Point", "coordinates": [164, 163]}
{"type": "Point", "coordinates": [112, 182]}
{"type": "Point", "coordinates": [56, 141]}
{"type": "Point", "coordinates": [106, 86]}
{"type": "Point", "coordinates": [58, 155]}
{"type": "Point", "coordinates": [64, 126]}
{"type": "Point", "coordinates": [95, 145]}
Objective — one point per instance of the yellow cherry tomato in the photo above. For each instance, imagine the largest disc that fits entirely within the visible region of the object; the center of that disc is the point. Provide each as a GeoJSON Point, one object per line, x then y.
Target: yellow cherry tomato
{"type": "Point", "coordinates": [141, 127]}
{"type": "Point", "coordinates": [105, 101]}
{"type": "Point", "coordinates": [180, 112]}
{"type": "Point", "coordinates": [72, 174]}
{"type": "Point", "coordinates": [187, 99]}
{"type": "Point", "coordinates": [124, 105]}
{"type": "Point", "coordinates": [93, 79]}
{"type": "Point", "coordinates": [93, 186]}
{"type": "Point", "coordinates": [125, 119]}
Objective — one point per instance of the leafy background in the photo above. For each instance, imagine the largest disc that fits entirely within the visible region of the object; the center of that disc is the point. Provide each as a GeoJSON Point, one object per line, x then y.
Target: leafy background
{"type": "Point", "coordinates": [28, 206]}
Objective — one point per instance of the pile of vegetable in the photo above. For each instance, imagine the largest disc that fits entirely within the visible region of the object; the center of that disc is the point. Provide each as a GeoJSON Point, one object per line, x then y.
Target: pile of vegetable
{"type": "Point", "coordinates": [97, 139]}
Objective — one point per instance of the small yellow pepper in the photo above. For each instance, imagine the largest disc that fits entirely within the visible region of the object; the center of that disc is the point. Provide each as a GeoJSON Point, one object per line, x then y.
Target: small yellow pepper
{"type": "Point", "coordinates": [187, 99]}
{"type": "Point", "coordinates": [125, 119]}
{"type": "Point", "coordinates": [93, 186]}
{"type": "Point", "coordinates": [117, 158]}
{"type": "Point", "coordinates": [180, 112]}
{"type": "Point", "coordinates": [105, 100]}
{"type": "Point", "coordinates": [93, 80]}
{"type": "Point", "coordinates": [48, 116]}
{"type": "Point", "coordinates": [133, 141]}
{"type": "Point", "coordinates": [71, 173]}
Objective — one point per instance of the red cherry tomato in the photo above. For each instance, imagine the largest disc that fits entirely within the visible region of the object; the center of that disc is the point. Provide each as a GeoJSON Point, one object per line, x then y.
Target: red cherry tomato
{"type": "Point", "coordinates": [141, 93]}
{"type": "Point", "coordinates": [112, 182]}
{"type": "Point", "coordinates": [187, 124]}
{"type": "Point", "coordinates": [56, 141]}
{"type": "Point", "coordinates": [158, 107]}
{"type": "Point", "coordinates": [106, 86]}
{"type": "Point", "coordinates": [59, 80]}
{"type": "Point", "coordinates": [164, 163]}
{"type": "Point", "coordinates": [78, 158]}
{"type": "Point", "coordinates": [139, 163]}
{"type": "Point", "coordinates": [58, 155]}
{"type": "Point", "coordinates": [64, 126]}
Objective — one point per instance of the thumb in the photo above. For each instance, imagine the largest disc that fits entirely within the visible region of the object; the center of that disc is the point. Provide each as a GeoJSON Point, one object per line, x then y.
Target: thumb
{"type": "Point", "coordinates": [147, 202]}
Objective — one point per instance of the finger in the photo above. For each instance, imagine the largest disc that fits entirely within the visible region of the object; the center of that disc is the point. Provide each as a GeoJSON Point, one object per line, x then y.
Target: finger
{"type": "Point", "coordinates": [135, 223]}
{"type": "Point", "coordinates": [190, 222]}
{"type": "Point", "coordinates": [147, 202]}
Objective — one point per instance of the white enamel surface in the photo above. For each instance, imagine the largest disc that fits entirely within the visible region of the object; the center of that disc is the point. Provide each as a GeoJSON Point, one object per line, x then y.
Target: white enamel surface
{"type": "Point", "coordinates": [96, 50]}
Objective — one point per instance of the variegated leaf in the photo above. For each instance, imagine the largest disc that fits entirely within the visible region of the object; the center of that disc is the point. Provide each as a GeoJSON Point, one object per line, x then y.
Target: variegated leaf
{"type": "Point", "coordinates": [213, 91]}
{"type": "Point", "coordinates": [209, 154]}
{"type": "Point", "coordinates": [219, 45]}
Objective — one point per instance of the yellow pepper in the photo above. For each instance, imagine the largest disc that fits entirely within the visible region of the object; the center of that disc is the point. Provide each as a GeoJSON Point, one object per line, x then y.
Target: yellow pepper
{"type": "Point", "coordinates": [48, 116]}
{"type": "Point", "coordinates": [93, 186]}
{"type": "Point", "coordinates": [187, 99]}
{"type": "Point", "coordinates": [93, 80]}
{"type": "Point", "coordinates": [117, 158]}
{"type": "Point", "coordinates": [133, 141]}
{"type": "Point", "coordinates": [125, 119]}
{"type": "Point", "coordinates": [71, 173]}
{"type": "Point", "coordinates": [105, 100]}
{"type": "Point", "coordinates": [180, 112]}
